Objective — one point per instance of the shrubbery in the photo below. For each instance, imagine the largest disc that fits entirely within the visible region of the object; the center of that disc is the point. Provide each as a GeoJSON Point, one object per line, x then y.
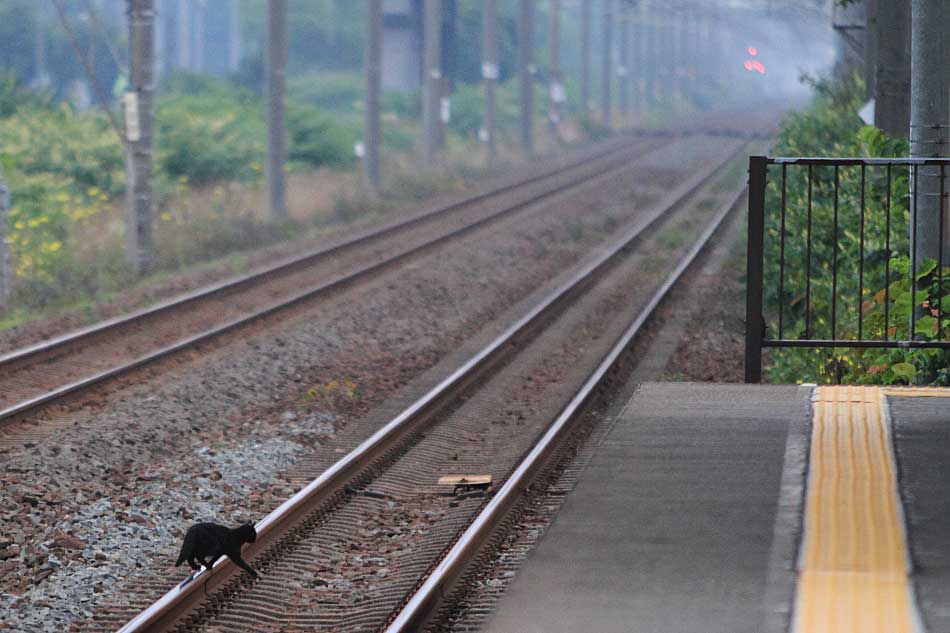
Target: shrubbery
{"type": "Point", "coordinates": [831, 127]}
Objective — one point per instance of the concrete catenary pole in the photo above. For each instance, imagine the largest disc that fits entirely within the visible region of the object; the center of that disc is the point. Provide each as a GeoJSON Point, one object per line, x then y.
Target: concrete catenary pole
{"type": "Point", "coordinates": [651, 58]}
{"type": "Point", "coordinates": [489, 73]}
{"type": "Point", "coordinates": [138, 134]}
{"type": "Point", "coordinates": [892, 85]}
{"type": "Point", "coordinates": [432, 86]}
{"type": "Point", "coordinates": [929, 116]}
{"type": "Point", "coordinates": [623, 64]}
{"type": "Point", "coordinates": [234, 36]}
{"type": "Point", "coordinates": [555, 89]}
{"type": "Point", "coordinates": [526, 72]}
{"type": "Point", "coordinates": [870, 45]}
{"type": "Point", "coordinates": [374, 80]}
{"type": "Point", "coordinates": [183, 35]}
{"type": "Point", "coordinates": [606, 61]}
{"type": "Point", "coordinates": [201, 13]}
{"type": "Point", "coordinates": [6, 275]}
{"type": "Point", "coordinates": [585, 57]}
{"type": "Point", "coordinates": [276, 86]}
{"type": "Point", "coordinates": [160, 35]}
{"type": "Point", "coordinates": [40, 74]}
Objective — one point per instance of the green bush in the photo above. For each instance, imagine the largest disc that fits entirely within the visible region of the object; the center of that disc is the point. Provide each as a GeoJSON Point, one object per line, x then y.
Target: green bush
{"type": "Point", "coordinates": [593, 129]}
{"type": "Point", "coordinates": [210, 137]}
{"type": "Point", "coordinates": [318, 138]}
{"type": "Point", "coordinates": [330, 91]}
{"type": "Point", "coordinates": [77, 147]}
{"type": "Point", "coordinates": [406, 105]}
{"type": "Point", "coordinates": [468, 107]}
{"type": "Point", "coordinates": [831, 127]}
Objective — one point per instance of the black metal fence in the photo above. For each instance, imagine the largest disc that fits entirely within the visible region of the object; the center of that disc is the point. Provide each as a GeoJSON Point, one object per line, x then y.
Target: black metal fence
{"type": "Point", "coordinates": [835, 255]}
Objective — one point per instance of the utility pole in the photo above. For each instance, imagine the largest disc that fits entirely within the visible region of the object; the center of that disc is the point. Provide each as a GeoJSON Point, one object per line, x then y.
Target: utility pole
{"type": "Point", "coordinates": [929, 115]}
{"type": "Point", "coordinates": [201, 11]}
{"type": "Point", "coordinates": [526, 72]}
{"type": "Point", "coordinates": [623, 67]}
{"type": "Point", "coordinates": [374, 78]}
{"type": "Point", "coordinates": [6, 275]}
{"type": "Point", "coordinates": [651, 59]}
{"type": "Point", "coordinates": [555, 87]}
{"type": "Point", "coordinates": [608, 18]}
{"type": "Point", "coordinates": [640, 60]}
{"type": "Point", "coordinates": [138, 135]}
{"type": "Point", "coordinates": [432, 88]}
{"type": "Point", "coordinates": [183, 39]}
{"type": "Point", "coordinates": [276, 79]}
{"type": "Point", "coordinates": [234, 36]}
{"type": "Point", "coordinates": [448, 48]}
{"type": "Point", "coordinates": [585, 57]}
{"type": "Point", "coordinates": [871, 45]}
{"type": "Point", "coordinates": [892, 85]}
{"type": "Point", "coordinates": [160, 37]}
{"type": "Point", "coordinates": [489, 73]}
{"type": "Point", "coordinates": [40, 75]}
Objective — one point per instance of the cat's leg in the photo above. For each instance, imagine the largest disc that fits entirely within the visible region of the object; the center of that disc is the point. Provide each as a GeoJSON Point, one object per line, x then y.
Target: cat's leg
{"type": "Point", "coordinates": [193, 564]}
{"type": "Point", "coordinates": [240, 562]}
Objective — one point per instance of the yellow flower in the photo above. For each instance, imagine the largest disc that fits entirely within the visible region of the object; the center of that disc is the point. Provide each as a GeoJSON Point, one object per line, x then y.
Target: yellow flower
{"type": "Point", "coordinates": [61, 197]}
{"type": "Point", "coordinates": [54, 246]}
{"type": "Point", "coordinates": [93, 191]}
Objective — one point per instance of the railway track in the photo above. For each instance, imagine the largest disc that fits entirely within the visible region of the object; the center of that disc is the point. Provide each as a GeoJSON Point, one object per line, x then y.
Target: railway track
{"type": "Point", "coordinates": [51, 371]}
{"type": "Point", "coordinates": [386, 492]}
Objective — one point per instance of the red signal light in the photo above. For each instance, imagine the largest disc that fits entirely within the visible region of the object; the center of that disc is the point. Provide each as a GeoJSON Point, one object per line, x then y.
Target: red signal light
{"type": "Point", "coordinates": [753, 51]}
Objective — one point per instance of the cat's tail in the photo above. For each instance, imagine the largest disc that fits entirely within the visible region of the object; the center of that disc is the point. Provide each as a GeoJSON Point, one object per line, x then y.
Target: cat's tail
{"type": "Point", "coordinates": [184, 554]}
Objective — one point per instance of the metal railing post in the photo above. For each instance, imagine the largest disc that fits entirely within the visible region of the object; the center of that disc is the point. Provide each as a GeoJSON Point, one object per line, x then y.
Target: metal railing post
{"type": "Point", "coordinates": [5, 274]}
{"type": "Point", "coordinates": [754, 319]}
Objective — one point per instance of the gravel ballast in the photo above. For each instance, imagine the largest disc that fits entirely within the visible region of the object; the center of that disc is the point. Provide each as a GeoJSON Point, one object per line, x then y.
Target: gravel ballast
{"type": "Point", "coordinates": [106, 500]}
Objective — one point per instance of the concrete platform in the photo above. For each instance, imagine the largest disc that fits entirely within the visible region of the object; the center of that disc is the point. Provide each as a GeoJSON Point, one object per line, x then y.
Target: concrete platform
{"type": "Point", "coordinates": [760, 509]}
{"type": "Point", "coordinates": [671, 528]}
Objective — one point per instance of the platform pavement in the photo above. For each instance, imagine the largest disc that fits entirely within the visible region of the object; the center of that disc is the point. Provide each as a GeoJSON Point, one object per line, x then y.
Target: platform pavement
{"type": "Point", "coordinates": [689, 517]}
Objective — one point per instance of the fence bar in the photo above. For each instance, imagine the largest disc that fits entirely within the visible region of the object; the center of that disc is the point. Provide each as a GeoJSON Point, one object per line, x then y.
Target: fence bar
{"type": "Point", "coordinates": [940, 255]}
{"type": "Point", "coordinates": [781, 258]}
{"type": "Point", "coordinates": [755, 259]}
{"type": "Point", "coordinates": [867, 277]}
{"type": "Point", "coordinates": [861, 259]}
{"type": "Point", "coordinates": [887, 260]}
{"type": "Point", "coordinates": [6, 277]}
{"type": "Point", "coordinates": [808, 258]}
{"type": "Point", "coordinates": [874, 343]}
{"type": "Point", "coordinates": [913, 257]}
{"type": "Point", "coordinates": [834, 263]}
{"type": "Point", "coordinates": [854, 162]}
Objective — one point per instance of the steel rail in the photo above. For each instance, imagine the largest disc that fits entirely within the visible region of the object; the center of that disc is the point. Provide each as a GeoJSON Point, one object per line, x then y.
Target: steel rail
{"type": "Point", "coordinates": [32, 404]}
{"type": "Point", "coordinates": [294, 262]}
{"type": "Point", "coordinates": [177, 602]}
{"type": "Point", "coordinates": [424, 602]}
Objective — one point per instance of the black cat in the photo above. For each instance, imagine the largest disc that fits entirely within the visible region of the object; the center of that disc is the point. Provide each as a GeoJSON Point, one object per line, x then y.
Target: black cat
{"type": "Point", "coordinates": [207, 542]}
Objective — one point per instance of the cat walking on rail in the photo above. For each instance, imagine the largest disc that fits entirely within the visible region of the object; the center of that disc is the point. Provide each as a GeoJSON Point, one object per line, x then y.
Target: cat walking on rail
{"type": "Point", "coordinates": [207, 542]}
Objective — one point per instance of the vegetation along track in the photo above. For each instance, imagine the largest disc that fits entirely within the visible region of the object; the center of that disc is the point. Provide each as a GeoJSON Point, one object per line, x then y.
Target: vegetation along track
{"type": "Point", "coordinates": [47, 372]}
{"type": "Point", "coordinates": [347, 550]}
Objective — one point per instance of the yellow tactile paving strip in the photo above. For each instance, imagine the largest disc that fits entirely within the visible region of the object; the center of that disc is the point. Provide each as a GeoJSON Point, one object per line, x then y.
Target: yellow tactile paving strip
{"type": "Point", "coordinates": [853, 569]}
